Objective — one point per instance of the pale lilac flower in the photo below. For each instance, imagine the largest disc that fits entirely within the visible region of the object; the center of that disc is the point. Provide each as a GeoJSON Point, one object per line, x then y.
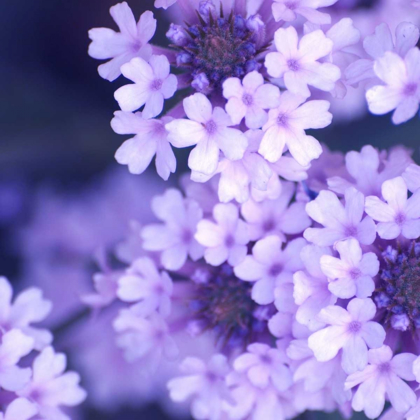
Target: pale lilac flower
{"type": "Point", "coordinates": [340, 222]}
{"type": "Point", "coordinates": [153, 83]}
{"type": "Point", "coordinates": [411, 177]}
{"type": "Point", "coordinates": [264, 365]}
{"type": "Point", "coordinates": [299, 65]}
{"type": "Point", "coordinates": [399, 215]}
{"type": "Point", "coordinates": [351, 330]}
{"type": "Point", "coordinates": [132, 40]}
{"type": "Point", "coordinates": [276, 217]}
{"type": "Point", "coordinates": [286, 126]}
{"type": "Point", "coordinates": [402, 86]}
{"type": "Point", "coordinates": [225, 240]}
{"type": "Point", "coordinates": [28, 307]}
{"type": "Point", "coordinates": [52, 387]}
{"type": "Point", "coordinates": [151, 138]}
{"type": "Point", "coordinates": [351, 274]}
{"type": "Point", "coordinates": [317, 376]}
{"type": "Point", "coordinates": [383, 376]}
{"type": "Point", "coordinates": [269, 267]}
{"type": "Point", "coordinates": [19, 409]}
{"type": "Point", "coordinates": [144, 338]}
{"type": "Point", "coordinates": [175, 238]}
{"type": "Point", "coordinates": [205, 383]}
{"type": "Point", "coordinates": [288, 10]}
{"type": "Point", "coordinates": [370, 169]}
{"type": "Point", "coordinates": [311, 292]}
{"type": "Point", "coordinates": [238, 177]}
{"type": "Point", "coordinates": [14, 346]}
{"type": "Point", "coordinates": [376, 45]}
{"type": "Point", "coordinates": [249, 401]}
{"type": "Point", "coordinates": [208, 129]}
{"type": "Point", "coordinates": [143, 282]}
{"type": "Point", "coordinates": [249, 99]}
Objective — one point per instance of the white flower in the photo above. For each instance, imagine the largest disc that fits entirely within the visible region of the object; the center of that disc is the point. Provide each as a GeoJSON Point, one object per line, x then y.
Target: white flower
{"type": "Point", "coordinates": [225, 240]}
{"type": "Point", "coordinates": [153, 83]}
{"type": "Point", "coordinates": [209, 130]}
{"type": "Point", "coordinates": [249, 99]}
{"type": "Point", "coordinates": [298, 64]}
{"type": "Point", "coordinates": [151, 138]}
{"type": "Point", "coordinates": [286, 126]}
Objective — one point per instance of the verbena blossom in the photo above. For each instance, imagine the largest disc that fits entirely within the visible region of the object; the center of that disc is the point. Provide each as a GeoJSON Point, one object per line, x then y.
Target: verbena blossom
{"type": "Point", "coordinates": [132, 40]}
{"type": "Point", "coordinates": [208, 129]}
{"type": "Point", "coordinates": [28, 307]}
{"type": "Point", "coordinates": [249, 99]}
{"type": "Point", "coordinates": [153, 83]}
{"type": "Point", "coordinates": [351, 330]}
{"type": "Point", "coordinates": [340, 222]}
{"type": "Point", "coordinates": [401, 90]}
{"type": "Point", "coordinates": [225, 240]}
{"type": "Point", "coordinates": [269, 266]}
{"type": "Point", "coordinates": [286, 127]}
{"type": "Point", "coordinates": [399, 216]}
{"type": "Point", "coordinates": [205, 383]}
{"type": "Point", "coordinates": [352, 274]}
{"type": "Point", "coordinates": [19, 409]}
{"type": "Point", "coordinates": [151, 138]}
{"type": "Point", "coordinates": [297, 61]}
{"type": "Point", "coordinates": [383, 377]}
{"type": "Point", "coordinates": [176, 236]}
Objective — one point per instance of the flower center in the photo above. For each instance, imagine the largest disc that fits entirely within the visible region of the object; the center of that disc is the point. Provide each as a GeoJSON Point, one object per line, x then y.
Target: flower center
{"type": "Point", "coordinates": [293, 65]}
{"type": "Point", "coordinates": [220, 47]}
{"type": "Point", "coordinates": [282, 120]}
{"type": "Point", "coordinates": [410, 89]}
{"type": "Point", "coordinates": [156, 84]}
{"type": "Point", "coordinates": [211, 127]}
{"type": "Point", "coordinates": [398, 292]}
{"type": "Point", "coordinates": [275, 270]}
{"type": "Point", "coordinates": [354, 327]}
{"type": "Point", "coordinates": [224, 305]}
{"type": "Point", "coordinates": [247, 99]}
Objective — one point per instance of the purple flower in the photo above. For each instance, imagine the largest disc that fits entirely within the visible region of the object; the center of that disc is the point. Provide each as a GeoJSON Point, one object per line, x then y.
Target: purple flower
{"type": "Point", "coordinates": [176, 236]}
{"type": "Point", "coordinates": [383, 376]}
{"type": "Point", "coordinates": [351, 330]}
{"type": "Point", "coordinates": [14, 346]}
{"type": "Point", "coordinates": [19, 409]}
{"type": "Point", "coordinates": [269, 266]}
{"type": "Point", "coordinates": [401, 90]}
{"type": "Point", "coordinates": [205, 383]}
{"type": "Point", "coordinates": [399, 216]}
{"type": "Point", "coordinates": [151, 138]}
{"type": "Point", "coordinates": [28, 307]}
{"type": "Point", "coordinates": [249, 99]}
{"type": "Point", "coordinates": [164, 3]}
{"type": "Point", "coordinates": [225, 240]}
{"type": "Point", "coordinates": [351, 274]}
{"type": "Point", "coordinates": [340, 222]}
{"type": "Point", "coordinates": [51, 387]}
{"type": "Point", "coordinates": [299, 65]}
{"type": "Point", "coordinates": [286, 126]}
{"type": "Point", "coordinates": [208, 129]}
{"type": "Point", "coordinates": [153, 83]}
{"type": "Point", "coordinates": [264, 365]}
{"type": "Point", "coordinates": [142, 282]}
{"type": "Point", "coordinates": [288, 10]}
{"type": "Point", "coordinates": [411, 177]}
{"type": "Point", "coordinates": [131, 41]}
{"type": "Point", "coordinates": [276, 217]}
{"type": "Point", "coordinates": [311, 290]}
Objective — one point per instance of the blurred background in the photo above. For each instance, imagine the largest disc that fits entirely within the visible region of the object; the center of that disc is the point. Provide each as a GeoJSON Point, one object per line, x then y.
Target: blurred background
{"type": "Point", "coordinates": [57, 145]}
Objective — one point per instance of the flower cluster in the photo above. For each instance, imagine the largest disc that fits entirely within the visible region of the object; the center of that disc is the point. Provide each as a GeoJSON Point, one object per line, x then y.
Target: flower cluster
{"type": "Point", "coordinates": [279, 277]}
{"type": "Point", "coordinates": [41, 390]}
